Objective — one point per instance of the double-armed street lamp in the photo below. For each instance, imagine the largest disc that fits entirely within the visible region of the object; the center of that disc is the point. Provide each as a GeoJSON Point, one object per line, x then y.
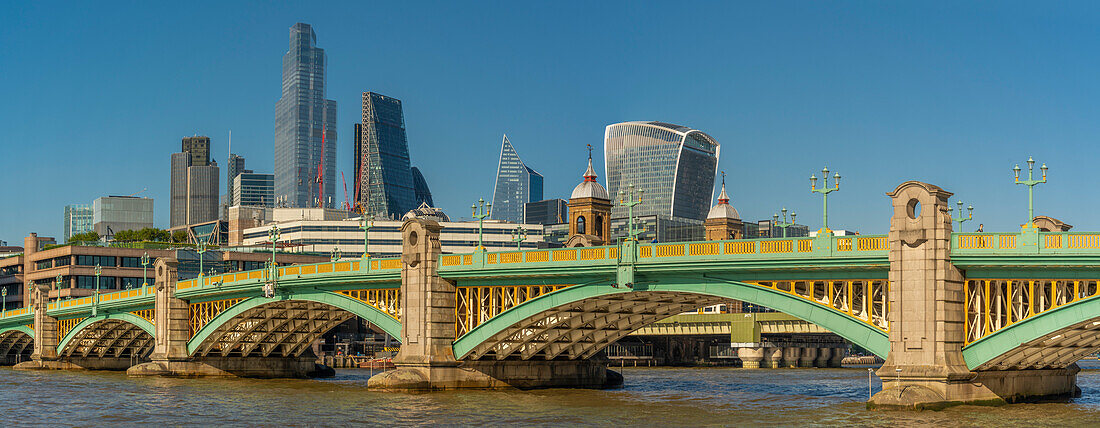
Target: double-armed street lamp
{"type": "Point", "coordinates": [366, 224]}
{"type": "Point", "coordinates": [144, 267]}
{"type": "Point", "coordinates": [273, 268]}
{"type": "Point", "coordinates": [98, 271]}
{"type": "Point", "coordinates": [486, 209]}
{"type": "Point", "coordinates": [785, 224]}
{"type": "Point", "coordinates": [4, 294]}
{"type": "Point", "coordinates": [1030, 183]}
{"type": "Point", "coordinates": [960, 218]}
{"type": "Point", "coordinates": [201, 250]}
{"type": "Point", "coordinates": [336, 254]}
{"type": "Point", "coordinates": [627, 199]}
{"type": "Point", "coordinates": [825, 190]}
{"type": "Point", "coordinates": [518, 236]}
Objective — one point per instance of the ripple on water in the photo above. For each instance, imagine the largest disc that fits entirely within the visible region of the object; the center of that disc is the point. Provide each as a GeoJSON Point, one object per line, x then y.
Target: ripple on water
{"type": "Point", "coordinates": [650, 397]}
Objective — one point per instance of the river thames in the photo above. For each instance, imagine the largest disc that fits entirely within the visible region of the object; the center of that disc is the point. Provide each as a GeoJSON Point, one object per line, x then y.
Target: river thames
{"type": "Point", "coordinates": [649, 397]}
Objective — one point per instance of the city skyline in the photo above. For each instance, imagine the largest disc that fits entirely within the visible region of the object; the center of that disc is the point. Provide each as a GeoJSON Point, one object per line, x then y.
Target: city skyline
{"type": "Point", "coordinates": [842, 95]}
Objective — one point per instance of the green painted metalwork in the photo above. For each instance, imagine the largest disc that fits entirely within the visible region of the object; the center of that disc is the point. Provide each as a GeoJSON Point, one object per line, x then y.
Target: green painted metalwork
{"type": "Point", "coordinates": [26, 330]}
{"type": "Point", "coordinates": [122, 316]}
{"type": "Point", "coordinates": [1008, 338]}
{"type": "Point", "coordinates": [842, 324]}
{"type": "Point", "coordinates": [375, 316]}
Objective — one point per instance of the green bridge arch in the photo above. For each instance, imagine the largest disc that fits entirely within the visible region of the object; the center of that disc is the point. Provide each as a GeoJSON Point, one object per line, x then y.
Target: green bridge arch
{"type": "Point", "coordinates": [140, 322]}
{"type": "Point", "coordinates": [22, 328]}
{"type": "Point", "coordinates": [357, 307]}
{"type": "Point", "coordinates": [1005, 340]}
{"type": "Point", "coordinates": [844, 325]}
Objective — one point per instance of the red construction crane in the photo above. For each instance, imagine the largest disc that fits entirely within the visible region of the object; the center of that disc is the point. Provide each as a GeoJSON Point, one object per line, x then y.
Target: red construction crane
{"type": "Point", "coordinates": [347, 207]}
{"type": "Point", "coordinates": [321, 172]}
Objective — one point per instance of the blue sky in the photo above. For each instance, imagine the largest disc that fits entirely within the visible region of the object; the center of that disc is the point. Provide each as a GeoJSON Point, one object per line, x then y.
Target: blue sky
{"type": "Point", "coordinates": [95, 96]}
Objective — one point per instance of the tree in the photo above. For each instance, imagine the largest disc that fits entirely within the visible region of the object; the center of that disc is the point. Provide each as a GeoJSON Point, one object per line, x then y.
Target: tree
{"type": "Point", "coordinates": [179, 236]}
{"type": "Point", "coordinates": [88, 236]}
{"type": "Point", "coordinates": [148, 234]}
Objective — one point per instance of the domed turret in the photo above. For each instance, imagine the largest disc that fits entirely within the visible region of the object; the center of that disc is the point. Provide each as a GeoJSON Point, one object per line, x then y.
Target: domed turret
{"type": "Point", "coordinates": [589, 188]}
{"type": "Point", "coordinates": [723, 209]}
{"type": "Point", "coordinates": [723, 222]}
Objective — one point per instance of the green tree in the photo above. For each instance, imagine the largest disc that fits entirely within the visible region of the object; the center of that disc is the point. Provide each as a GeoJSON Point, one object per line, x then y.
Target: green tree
{"type": "Point", "coordinates": [88, 236]}
{"type": "Point", "coordinates": [179, 236]}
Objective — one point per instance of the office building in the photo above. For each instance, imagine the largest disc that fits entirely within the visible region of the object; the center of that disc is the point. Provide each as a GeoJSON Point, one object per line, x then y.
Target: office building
{"type": "Point", "coordinates": [194, 183]}
{"type": "Point", "coordinates": [233, 167]}
{"type": "Point", "coordinates": [420, 188]}
{"type": "Point", "coordinates": [112, 214]}
{"type": "Point", "coordinates": [313, 231]}
{"type": "Point", "coordinates": [549, 211]}
{"type": "Point", "coordinates": [516, 185]}
{"type": "Point", "coordinates": [673, 164]}
{"type": "Point", "coordinates": [382, 167]}
{"type": "Point", "coordinates": [253, 190]}
{"type": "Point", "coordinates": [78, 219]}
{"type": "Point", "coordinates": [302, 114]}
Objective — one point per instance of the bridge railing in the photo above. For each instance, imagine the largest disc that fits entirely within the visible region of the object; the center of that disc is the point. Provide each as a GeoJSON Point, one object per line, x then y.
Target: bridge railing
{"type": "Point", "coordinates": [1043, 243]}
{"type": "Point", "coordinates": [294, 271]}
{"type": "Point", "coordinates": [114, 297]}
{"type": "Point", "coordinates": [11, 313]}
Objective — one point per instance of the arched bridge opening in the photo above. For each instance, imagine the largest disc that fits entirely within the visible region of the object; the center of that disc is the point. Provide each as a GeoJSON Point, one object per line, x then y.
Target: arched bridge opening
{"type": "Point", "coordinates": [16, 345]}
{"type": "Point", "coordinates": [111, 341]}
{"type": "Point", "coordinates": [285, 326]}
{"type": "Point", "coordinates": [578, 321]}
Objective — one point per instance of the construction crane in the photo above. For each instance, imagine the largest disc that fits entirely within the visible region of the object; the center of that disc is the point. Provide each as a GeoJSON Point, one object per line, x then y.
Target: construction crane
{"type": "Point", "coordinates": [321, 172]}
{"type": "Point", "coordinates": [138, 192]}
{"type": "Point", "coordinates": [347, 207]}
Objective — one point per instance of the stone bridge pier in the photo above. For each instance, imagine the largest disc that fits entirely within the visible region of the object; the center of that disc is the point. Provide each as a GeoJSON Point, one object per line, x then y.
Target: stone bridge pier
{"type": "Point", "coordinates": [426, 360]}
{"type": "Point", "coordinates": [925, 367]}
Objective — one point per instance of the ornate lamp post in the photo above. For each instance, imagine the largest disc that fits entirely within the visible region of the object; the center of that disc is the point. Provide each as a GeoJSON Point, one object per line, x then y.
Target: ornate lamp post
{"type": "Point", "coordinates": [57, 285]}
{"type": "Point", "coordinates": [486, 210]}
{"type": "Point", "coordinates": [144, 268]}
{"type": "Point", "coordinates": [4, 293]}
{"type": "Point", "coordinates": [962, 219]}
{"type": "Point", "coordinates": [366, 224]}
{"type": "Point", "coordinates": [784, 225]}
{"type": "Point", "coordinates": [825, 190]}
{"type": "Point", "coordinates": [1030, 183]}
{"type": "Point", "coordinates": [98, 271]}
{"type": "Point", "coordinates": [627, 200]}
{"type": "Point", "coordinates": [518, 236]}
{"type": "Point", "coordinates": [336, 254]}
{"type": "Point", "coordinates": [274, 235]}
{"type": "Point", "coordinates": [201, 250]}
{"type": "Point", "coordinates": [273, 273]}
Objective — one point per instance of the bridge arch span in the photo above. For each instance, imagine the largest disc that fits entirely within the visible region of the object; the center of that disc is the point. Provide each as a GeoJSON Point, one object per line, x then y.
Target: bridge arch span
{"type": "Point", "coordinates": [118, 335]}
{"type": "Point", "coordinates": [579, 321]}
{"type": "Point", "coordinates": [16, 344]}
{"type": "Point", "coordinates": [1053, 339]}
{"type": "Point", "coordinates": [282, 326]}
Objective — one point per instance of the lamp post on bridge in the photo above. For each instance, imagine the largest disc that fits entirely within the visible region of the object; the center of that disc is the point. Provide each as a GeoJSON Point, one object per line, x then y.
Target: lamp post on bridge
{"type": "Point", "coordinates": [95, 307]}
{"type": "Point", "coordinates": [518, 236]}
{"type": "Point", "coordinates": [1030, 183]}
{"type": "Point", "coordinates": [201, 250]}
{"type": "Point", "coordinates": [627, 200]}
{"type": "Point", "coordinates": [144, 269]}
{"type": "Point", "coordinates": [784, 225]}
{"type": "Point", "coordinates": [366, 224]}
{"type": "Point", "coordinates": [4, 293]}
{"type": "Point", "coordinates": [825, 190]}
{"type": "Point", "coordinates": [273, 268]}
{"type": "Point", "coordinates": [960, 218]}
{"type": "Point", "coordinates": [336, 254]}
{"type": "Point", "coordinates": [486, 210]}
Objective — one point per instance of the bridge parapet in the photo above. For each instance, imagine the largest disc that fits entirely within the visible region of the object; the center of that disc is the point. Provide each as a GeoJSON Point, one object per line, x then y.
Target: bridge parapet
{"type": "Point", "coordinates": [1027, 241]}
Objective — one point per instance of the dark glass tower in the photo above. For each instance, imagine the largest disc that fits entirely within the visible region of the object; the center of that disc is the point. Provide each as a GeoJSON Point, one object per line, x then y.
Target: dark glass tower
{"type": "Point", "coordinates": [516, 185]}
{"type": "Point", "coordinates": [420, 187]}
{"type": "Point", "coordinates": [300, 116]}
{"type": "Point", "coordinates": [386, 185]}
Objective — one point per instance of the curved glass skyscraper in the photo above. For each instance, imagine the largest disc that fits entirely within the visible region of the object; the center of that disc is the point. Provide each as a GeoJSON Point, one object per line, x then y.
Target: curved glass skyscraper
{"type": "Point", "coordinates": [300, 116]}
{"type": "Point", "coordinates": [674, 165]}
{"type": "Point", "coordinates": [516, 184]}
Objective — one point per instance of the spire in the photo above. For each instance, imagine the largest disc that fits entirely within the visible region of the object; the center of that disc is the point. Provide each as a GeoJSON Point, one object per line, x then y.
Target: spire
{"type": "Point", "coordinates": [723, 198]}
{"type": "Point", "coordinates": [590, 174]}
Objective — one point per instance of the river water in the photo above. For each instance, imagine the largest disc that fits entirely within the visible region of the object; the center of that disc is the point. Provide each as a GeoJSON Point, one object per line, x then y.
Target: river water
{"type": "Point", "coordinates": [650, 397]}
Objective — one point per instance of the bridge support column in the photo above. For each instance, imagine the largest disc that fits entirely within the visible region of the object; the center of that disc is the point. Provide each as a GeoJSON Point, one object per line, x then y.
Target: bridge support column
{"type": "Point", "coordinates": [773, 358]}
{"type": "Point", "coordinates": [823, 356]}
{"type": "Point", "coordinates": [925, 367]}
{"type": "Point", "coordinates": [44, 356]}
{"type": "Point", "coordinates": [837, 359]}
{"type": "Point", "coordinates": [791, 354]}
{"type": "Point", "coordinates": [750, 357]}
{"type": "Point", "coordinates": [807, 356]}
{"type": "Point", "coordinates": [426, 360]}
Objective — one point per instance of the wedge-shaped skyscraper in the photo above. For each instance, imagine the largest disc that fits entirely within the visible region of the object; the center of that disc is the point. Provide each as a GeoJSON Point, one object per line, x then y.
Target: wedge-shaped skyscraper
{"type": "Point", "coordinates": [516, 184]}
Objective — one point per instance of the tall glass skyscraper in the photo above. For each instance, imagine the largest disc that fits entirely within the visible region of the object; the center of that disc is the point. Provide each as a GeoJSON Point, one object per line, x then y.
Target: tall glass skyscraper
{"type": "Point", "coordinates": [516, 185]}
{"type": "Point", "coordinates": [386, 185]}
{"type": "Point", "coordinates": [300, 116]}
{"type": "Point", "coordinates": [420, 187]}
{"type": "Point", "coordinates": [674, 165]}
{"type": "Point", "coordinates": [78, 219]}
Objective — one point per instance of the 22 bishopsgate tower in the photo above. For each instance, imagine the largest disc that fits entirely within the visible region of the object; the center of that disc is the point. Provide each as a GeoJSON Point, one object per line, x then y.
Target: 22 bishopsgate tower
{"type": "Point", "coordinates": [305, 167]}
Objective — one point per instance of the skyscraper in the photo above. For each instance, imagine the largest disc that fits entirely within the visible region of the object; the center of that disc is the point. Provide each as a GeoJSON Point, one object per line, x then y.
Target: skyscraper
{"type": "Point", "coordinates": [301, 115]}
{"type": "Point", "coordinates": [516, 184]}
{"type": "Point", "coordinates": [253, 190]}
{"type": "Point", "coordinates": [113, 214]}
{"type": "Point", "coordinates": [234, 167]}
{"type": "Point", "coordinates": [78, 219]}
{"type": "Point", "coordinates": [386, 186]}
{"type": "Point", "coordinates": [194, 185]}
{"type": "Point", "coordinates": [420, 188]}
{"type": "Point", "coordinates": [674, 165]}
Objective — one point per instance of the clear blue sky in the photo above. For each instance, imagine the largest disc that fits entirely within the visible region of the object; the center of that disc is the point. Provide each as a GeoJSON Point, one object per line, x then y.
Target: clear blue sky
{"type": "Point", "coordinates": [95, 97]}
